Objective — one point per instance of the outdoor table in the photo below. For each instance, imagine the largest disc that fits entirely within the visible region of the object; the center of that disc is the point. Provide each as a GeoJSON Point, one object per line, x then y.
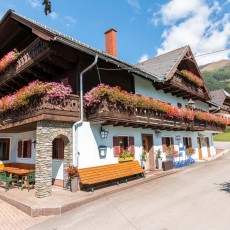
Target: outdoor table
{"type": "Point", "coordinates": [20, 172]}
{"type": "Point", "coordinates": [9, 170]}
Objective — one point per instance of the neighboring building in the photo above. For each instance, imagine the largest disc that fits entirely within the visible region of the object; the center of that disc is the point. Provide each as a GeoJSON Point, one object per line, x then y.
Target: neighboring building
{"type": "Point", "coordinates": [220, 103]}
{"type": "Point", "coordinates": [52, 135]}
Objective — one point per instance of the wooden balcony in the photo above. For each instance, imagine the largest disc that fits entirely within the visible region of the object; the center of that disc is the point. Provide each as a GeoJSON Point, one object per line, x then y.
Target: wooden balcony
{"type": "Point", "coordinates": [25, 118]}
{"type": "Point", "coordinates": [181, 87]}
{"type": "Point", "coordinates": [27, 58]}
{"type": "Point", "coordinates": [118, 115]}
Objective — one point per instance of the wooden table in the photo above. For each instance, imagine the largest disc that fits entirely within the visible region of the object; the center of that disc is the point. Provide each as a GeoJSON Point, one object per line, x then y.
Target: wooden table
{"type": "Point", "coordinates": [16, 171]}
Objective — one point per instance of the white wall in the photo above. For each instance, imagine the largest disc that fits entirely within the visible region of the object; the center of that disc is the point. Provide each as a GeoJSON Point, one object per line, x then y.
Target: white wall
{"type": "Point", "coordinates": [57, 169]}
{"type": "Point", "coordinates": [89, 139]}
{"type": "Point", "coordinates": [14, 138]}
{"type": "Point", "coordinates": [145, 87]}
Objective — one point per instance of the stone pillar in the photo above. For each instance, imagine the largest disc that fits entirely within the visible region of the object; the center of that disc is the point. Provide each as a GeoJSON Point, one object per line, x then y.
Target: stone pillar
{"type": "Point", "coordinates": [46, 132]}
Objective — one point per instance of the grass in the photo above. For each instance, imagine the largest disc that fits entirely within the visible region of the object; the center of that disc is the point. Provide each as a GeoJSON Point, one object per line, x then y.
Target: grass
{"type": "Point", "coordinates": [225, 137]}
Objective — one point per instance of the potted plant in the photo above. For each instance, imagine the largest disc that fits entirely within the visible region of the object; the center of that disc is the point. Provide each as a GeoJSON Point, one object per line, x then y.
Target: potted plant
{"type": "Point", "coordinates": [171, 152]}
{"type": "Point", "coordinates": [125, 155]}
{"type": "Point", "coordinates": [72, 172]}
{"type": "Point", "coordinates": [144, 158]}
{"type": "Point", "coordinates": [158, 159]}
{"type": "Point", "coordinates": [190, 150]}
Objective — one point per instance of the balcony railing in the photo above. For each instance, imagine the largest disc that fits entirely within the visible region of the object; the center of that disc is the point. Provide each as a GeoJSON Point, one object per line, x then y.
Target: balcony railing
{"type": "Point", "coordinates": [42, 108]}
{"type": "Point", "coordinates": [187, 85]}
{"type": "Point", "coordinates": [119, 115]}
{"type": "Point", "coordinates": [27, 57]}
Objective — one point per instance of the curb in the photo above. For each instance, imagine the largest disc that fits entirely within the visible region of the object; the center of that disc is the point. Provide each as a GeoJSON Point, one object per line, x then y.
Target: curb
{"type": "Point", "coordinates": [47, 211]}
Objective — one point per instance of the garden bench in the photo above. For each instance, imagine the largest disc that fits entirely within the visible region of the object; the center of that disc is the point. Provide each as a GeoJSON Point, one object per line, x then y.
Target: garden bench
{"type": "Point", "coordinates": [5, 178]}
{"type": "Point", "coordinates": [107, 173]}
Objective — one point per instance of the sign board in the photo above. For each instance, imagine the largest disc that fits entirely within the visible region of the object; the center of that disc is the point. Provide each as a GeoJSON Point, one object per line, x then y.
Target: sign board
{"type": "Point", "coordinates": [182, 148]}
{"type": "Point", "coordinates": [178, 138]}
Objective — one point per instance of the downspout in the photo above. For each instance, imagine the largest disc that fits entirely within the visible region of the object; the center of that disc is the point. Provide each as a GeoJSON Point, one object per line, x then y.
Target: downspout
{"type": "Point", "coordinates": [75, 125]}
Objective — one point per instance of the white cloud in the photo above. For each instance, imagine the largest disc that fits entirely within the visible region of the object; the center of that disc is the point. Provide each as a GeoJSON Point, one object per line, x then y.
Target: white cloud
{"type": "Point", "coordinates": [196, 24]}
{"type": "Point", "coordinates": [144, 57]}
{"type": "Point", "coordinates": [34, 3]}
{"type": "Point", "coordinates": [53, 15]}
{"type": "Point", "coordinates": [134, 4]}
{"type": "Point", "coordinates": [69, 21]}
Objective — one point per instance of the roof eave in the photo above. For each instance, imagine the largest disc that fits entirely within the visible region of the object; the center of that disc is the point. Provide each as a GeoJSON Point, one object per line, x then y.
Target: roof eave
{"type": "Point", "coordinates": [105, 57]}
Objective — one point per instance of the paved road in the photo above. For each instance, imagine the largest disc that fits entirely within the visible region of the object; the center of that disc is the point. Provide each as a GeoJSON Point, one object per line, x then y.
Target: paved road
{"type": "Point", "coordinates": [197, 198]}
{"type": "Point", "coordinates": [222, 145]}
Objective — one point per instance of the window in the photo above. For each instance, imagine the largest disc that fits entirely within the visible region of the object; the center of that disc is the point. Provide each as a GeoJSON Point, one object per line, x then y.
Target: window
{"type": "Point", "coordinates": [24, 149]}
{"type": "Point", "coordinates": [58, 149]}
{"type": "Point", "coordinates": [187, 142]}
{"type": "Point", "coordinates": [4, 149]}
{"type": "Point", "coordinates": [179, 105]}
{"type": "Point", "coordinates": [123, 142]}
{"type": "Point", "coordinates": [166, 142]}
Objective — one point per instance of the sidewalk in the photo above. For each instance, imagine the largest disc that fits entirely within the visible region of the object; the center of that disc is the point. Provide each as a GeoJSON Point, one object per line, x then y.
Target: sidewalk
{"type": "Point", "coordinates": [220, 152]}
{"type": "Point", "coordinates": [63, 200]}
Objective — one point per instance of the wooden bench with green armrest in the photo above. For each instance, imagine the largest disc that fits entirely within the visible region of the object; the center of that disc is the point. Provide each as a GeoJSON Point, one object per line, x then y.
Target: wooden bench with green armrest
{"type": "Point", "coordinates": [5, 178]}
{"type": "Point", "coordinates": [114, 172]}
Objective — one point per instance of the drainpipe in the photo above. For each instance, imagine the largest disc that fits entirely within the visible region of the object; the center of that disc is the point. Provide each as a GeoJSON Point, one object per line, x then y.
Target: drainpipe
{"type": "Point", "coordinates": [75, 125]}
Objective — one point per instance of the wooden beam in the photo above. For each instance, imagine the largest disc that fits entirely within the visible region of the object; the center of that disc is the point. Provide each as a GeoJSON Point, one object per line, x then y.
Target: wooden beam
{"type": "Point", "coordinates": [47, 68]}
{"type": "Point", "coordinates": [57, 61]}
{"type": "Point", "coordinates": [36, 74]}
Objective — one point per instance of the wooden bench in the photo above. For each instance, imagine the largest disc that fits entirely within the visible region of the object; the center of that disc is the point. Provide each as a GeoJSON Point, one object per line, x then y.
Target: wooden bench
{"type": "Point", "coordinates": [114, 172]}
{"type": "Point", "coordinates": [5, 178]}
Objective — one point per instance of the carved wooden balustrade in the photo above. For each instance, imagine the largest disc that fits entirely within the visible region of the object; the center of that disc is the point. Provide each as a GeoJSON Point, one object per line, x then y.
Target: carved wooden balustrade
{"type": "Point", "coordinates": [120, 115]}
{"type": "Point", "coordinates": [42, 108]}
{"type": "Point", "coordinates": [27, 57]}
{"type": "Point", "coordinates": [182, 82]}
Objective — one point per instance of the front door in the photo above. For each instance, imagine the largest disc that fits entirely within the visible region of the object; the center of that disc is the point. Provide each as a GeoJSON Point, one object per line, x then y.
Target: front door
{"type": "Point", "coordinates": [199, 147]}
{"type": "Point", "coordinates": [208, 147]}
{"type": "Point", "coordinates": [147, 145]}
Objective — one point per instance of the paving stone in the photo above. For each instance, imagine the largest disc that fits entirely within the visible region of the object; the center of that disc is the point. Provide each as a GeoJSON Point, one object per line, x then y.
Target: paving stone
{"type": "Point", "coordinates": [12, 218]}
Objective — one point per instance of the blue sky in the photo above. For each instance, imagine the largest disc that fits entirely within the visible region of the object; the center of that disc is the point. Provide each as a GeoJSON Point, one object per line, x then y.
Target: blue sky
{"type": "Point", "coordinates": [146, 28]}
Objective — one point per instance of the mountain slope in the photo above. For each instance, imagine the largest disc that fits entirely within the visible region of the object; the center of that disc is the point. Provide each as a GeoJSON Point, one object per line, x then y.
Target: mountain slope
{"type": "Point", "coordinates": [217, 75]}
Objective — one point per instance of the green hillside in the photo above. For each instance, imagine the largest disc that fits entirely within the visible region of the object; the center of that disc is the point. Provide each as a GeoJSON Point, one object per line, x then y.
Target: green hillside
{"type": "Point", "coordinates": [217, 75]}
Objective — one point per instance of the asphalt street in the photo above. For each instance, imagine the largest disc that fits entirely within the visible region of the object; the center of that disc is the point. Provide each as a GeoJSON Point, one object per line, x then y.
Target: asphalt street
{"type": "Point", "coordinates": [196, 198]}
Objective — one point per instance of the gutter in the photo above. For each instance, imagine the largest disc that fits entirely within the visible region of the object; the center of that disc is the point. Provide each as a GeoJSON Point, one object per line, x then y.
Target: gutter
{"type": "Point", "coordinates": [77, 124]}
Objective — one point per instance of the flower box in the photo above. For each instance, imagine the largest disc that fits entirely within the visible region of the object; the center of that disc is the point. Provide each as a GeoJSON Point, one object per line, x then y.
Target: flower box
{"type": "Point", "coordinates": [121, 160]}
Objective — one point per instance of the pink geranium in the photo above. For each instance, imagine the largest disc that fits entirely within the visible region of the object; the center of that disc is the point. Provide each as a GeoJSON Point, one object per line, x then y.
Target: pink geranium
{"type": "Point", "coordinates": [192, 77]}
{"type": "Point", "coordinates": [37, 88]}
{"type": "Point", "coordinates": [115, 95]}
{"type": "Point", "coordinates": [8, 58]}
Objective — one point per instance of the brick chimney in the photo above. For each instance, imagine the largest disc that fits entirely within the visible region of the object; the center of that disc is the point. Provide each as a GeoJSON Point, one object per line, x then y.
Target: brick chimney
{"type": "Point", "coordinates": [111, 42]}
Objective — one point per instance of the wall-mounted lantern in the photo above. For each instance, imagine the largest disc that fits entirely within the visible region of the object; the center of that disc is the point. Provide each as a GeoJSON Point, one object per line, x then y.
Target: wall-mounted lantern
{"type": "Point", "coordinates": [104, 133]}
{"type": "Point", "coordinates": [158, 133]}
{"type": "Point", "coordinates": [102, 151]}
{"type": "Point", "coordinates": [34, 143]}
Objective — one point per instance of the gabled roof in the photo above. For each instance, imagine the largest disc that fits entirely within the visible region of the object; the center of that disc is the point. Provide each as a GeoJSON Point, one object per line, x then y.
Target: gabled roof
{"type": "Point", "coordinates": [164, 64]}
{"type": "Point", "coordinates": [49, 34]}
{"type": "Point", "coordinates": [219, 96]}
